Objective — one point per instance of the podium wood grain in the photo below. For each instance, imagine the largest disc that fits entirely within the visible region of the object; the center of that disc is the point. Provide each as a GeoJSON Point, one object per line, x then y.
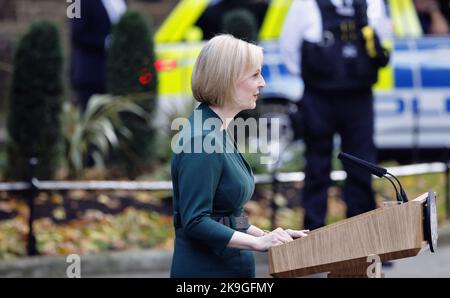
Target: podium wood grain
{"type": "Point", "coordinates": [342, 248]}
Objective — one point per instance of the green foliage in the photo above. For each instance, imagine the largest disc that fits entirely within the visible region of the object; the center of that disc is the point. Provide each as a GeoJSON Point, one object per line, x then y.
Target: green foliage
{"type": "Point", "coordinates": [415, 186]}
{"type": "Point", "coordinates": [171, 111]}
{"type": "Point", "coordinates": [131, 51]}
{"type": "Point", "coordinates": [96, 131]}
{"type": "Point", "coordinates": [254, 160]}
{"type": "Point", "coordinates": [241, 24]}
{"type": "Point", "coordinates": [34, 124]}
{"type": "Point", "coordinates": [131, 71]}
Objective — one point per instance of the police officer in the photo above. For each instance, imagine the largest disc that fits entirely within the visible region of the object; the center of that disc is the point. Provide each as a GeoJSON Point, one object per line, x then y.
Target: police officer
{"type": "Point", "coordinates": [90, 36]}
{"type": "Point", "coordinates": [336, 46]}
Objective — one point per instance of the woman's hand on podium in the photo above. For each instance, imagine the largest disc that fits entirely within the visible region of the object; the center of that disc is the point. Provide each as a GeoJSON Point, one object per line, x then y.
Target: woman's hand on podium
{"type": "Point", "coordinates": [274, 238]}
{"type": "Point", "coordinates": [297, 233]}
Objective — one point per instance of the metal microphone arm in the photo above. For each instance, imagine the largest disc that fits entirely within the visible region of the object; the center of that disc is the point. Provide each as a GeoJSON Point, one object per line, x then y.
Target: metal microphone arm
{"type": "Point", "coordinates": [402, 192]}
{"type": "Point", "coordinates": [377, 171]}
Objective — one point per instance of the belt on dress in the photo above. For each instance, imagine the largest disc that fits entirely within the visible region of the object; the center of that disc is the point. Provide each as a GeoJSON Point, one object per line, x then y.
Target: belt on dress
{"type": "Point", "coordinates": [234, 222]}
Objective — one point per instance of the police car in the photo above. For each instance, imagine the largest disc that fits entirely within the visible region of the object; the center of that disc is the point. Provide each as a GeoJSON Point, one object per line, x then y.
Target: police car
{"type": "Point", "coordinates": [412, 97]}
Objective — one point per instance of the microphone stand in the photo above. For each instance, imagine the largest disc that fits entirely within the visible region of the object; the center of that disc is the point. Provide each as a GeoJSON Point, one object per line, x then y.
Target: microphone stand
{"type": "Point", "coordinates": [403, 198]}
{"type": "Point", "coordinates": [377, 171]}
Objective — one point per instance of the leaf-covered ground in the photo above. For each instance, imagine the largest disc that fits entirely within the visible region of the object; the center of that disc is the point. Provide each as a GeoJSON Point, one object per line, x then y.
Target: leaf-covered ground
{"type": "Point", "coordinates": [90, 222]}
{"type": "Point", "coordinates": [94, 232]}
{"type": "Point", "coordinates": [85, 222]}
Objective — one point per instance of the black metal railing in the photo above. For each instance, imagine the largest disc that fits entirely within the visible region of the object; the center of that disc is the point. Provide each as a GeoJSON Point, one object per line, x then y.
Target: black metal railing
{"type": "Point", "coordinates": [34, 186]}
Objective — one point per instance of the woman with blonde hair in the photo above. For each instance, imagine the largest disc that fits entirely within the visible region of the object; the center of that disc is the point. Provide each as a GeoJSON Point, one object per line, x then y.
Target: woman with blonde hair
{"type": "Point", "coordinates": [210, 187]}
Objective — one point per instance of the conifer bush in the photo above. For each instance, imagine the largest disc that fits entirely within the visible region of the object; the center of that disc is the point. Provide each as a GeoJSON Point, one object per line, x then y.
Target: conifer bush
{"type": "Point", "coordinates": [242, 24]}
{"type": "Point", "coordinates": [35, 103]}
{"type": "Point", "coordinates": [131, 72]}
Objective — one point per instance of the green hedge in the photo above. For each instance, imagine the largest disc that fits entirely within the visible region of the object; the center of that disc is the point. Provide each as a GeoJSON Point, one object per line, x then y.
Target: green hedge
{"type": "Point", "coordinates": [242, 24]}
{"type": "Point", "coordinates": [33, 119]}
{"type": "Point", "coordinates": [131, 72]}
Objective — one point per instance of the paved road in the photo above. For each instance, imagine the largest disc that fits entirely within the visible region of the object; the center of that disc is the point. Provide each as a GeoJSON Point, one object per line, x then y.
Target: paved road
{"type": "Point", "coordinates": [425, 265]}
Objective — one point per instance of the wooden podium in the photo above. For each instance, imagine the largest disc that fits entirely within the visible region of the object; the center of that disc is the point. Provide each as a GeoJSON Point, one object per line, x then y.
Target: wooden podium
{"type": "Point", "coordinates": [343, 248]}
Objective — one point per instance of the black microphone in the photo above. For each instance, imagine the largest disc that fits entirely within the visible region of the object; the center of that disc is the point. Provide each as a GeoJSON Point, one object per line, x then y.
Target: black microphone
{"type": "Point", "coordinates": [377, 171]}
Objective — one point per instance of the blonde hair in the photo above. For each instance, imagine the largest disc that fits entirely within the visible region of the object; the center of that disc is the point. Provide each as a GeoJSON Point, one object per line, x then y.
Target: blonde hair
{"type": "Point", "coordinates": [222, 62]}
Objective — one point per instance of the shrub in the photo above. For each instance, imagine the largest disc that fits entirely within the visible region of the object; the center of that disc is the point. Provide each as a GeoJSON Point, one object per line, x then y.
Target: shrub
{"type": "Point", "coordinates": [33, 120]}
{"type": "Point", "coordinates": [241, 24]}
{"type": "Point", "coordinates": [94, 133]}
{"type": "Point", "coordinates": [131, 72]}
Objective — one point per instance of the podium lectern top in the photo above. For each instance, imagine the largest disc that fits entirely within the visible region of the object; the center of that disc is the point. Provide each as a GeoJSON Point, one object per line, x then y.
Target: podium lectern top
{"type": "Point", "coordinates": [343, 248]}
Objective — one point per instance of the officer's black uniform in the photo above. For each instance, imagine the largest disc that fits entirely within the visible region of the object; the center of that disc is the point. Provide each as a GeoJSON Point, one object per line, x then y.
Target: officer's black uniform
{"type": "Point", "coordinates": [338, 74]}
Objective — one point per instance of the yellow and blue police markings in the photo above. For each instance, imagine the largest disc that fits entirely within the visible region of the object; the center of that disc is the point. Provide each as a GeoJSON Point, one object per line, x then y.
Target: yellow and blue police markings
{"type": "Point", "coordinates": [279, 82]}
{"type": "Point", "coordinates": [274, 19]}
{"type": "Point", "coordinates": [415, 112]}
{"type": "Point", "coordinates": [178, 43]}
{"type": "Point", "coordinates": [411, 109]}
{"type": "Point", "coordinates": [404, 17]}
{"type": "Point", "coordinates": [175, 54]}
{"type": "Point", "coordinates": [412, 98]}
{"type": "Point", "coordinates": [174, 64]}
{"type": "Point", "coordinates": [182, 18]}
{"type": "Point", "coordinates": [426, 58]}
{"type": "Point", "coordinates": [416, 63]}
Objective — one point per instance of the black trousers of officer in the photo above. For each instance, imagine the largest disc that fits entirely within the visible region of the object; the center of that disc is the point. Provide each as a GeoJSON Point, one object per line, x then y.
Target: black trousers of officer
{"type": "Point", "coordinates": [351, 115]}
{"type": "Point", "coordinates": [84, 94]}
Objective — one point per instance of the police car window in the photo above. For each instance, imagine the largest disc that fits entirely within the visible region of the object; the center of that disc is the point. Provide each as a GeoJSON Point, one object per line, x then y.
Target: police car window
{"type": "Point", "coordinates": [211, 19]}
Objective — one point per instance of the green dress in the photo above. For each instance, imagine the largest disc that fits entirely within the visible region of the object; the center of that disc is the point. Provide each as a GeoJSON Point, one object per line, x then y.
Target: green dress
{"type": "Point", "coordinates": [206, 184]}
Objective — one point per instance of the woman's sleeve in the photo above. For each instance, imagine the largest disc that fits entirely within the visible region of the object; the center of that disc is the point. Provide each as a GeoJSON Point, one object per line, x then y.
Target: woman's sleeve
{"type": "Point", "coordinates": [198, 178]}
